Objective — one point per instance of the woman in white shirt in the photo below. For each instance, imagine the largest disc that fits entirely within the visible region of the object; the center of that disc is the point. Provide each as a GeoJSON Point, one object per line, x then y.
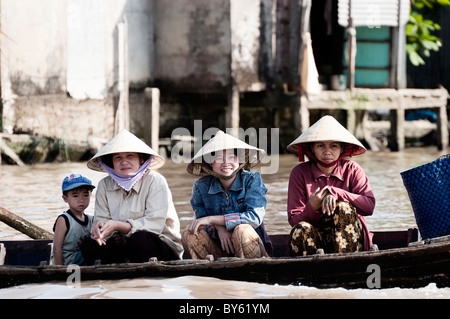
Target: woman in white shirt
{"type": "Point", "coordinates": [135, 218]}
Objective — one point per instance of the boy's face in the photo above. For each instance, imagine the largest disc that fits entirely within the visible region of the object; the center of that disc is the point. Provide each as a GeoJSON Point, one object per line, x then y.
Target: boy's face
{"type": "Point", "coordinates": [78, 199]}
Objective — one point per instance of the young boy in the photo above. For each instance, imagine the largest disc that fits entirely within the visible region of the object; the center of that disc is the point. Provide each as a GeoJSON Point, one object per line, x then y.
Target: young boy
{"type": "Point", "coordinates": [72, 226]}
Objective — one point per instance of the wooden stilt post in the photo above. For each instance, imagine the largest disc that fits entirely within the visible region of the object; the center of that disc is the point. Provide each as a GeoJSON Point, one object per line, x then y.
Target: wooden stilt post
{"type": "Point", "coordinates": [442, 128]}
{"type": "Point", "coordinates": [233, 110]}
{"type": "Point", "coordinates": [301, 117]}
{"type": "Point", "coordinates": [351, 34]}
{"type": "Point", "coordinates": [304, 113]}
{"type": "Point", "coordinates": [122, 116]}
{"type": "Point", "coordinates": [397, 119]}
{"type": "Point", "coordinates": [155, 118]}
{"type": "Point", "coordinates": [153, 94]}
{"type": "Point", "coordinates": [2, 254]}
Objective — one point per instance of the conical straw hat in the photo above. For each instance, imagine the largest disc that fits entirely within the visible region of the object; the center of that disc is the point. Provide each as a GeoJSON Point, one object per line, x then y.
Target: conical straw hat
{"type": "Point", "coordinates": [125, 142]}
{"type": "Point", "coordinates": [223, 141]}
{"type": "Point", "coordinates": [327, 129]}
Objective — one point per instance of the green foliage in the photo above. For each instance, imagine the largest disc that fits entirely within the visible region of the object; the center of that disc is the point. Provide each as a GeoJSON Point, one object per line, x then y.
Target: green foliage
{"type": "Point", "coordinates": [419, 4]}
{"type": "Point", "coordinates": [419, 40]}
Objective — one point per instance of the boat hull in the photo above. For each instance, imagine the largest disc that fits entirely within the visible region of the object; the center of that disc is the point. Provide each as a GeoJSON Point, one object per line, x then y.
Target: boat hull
{"type": "Point", "coordinates": [406, 267]}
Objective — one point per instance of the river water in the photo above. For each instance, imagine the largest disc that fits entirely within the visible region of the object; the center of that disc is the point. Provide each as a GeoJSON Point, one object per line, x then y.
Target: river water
{"type": "Point", "coordinates": [34, 192]}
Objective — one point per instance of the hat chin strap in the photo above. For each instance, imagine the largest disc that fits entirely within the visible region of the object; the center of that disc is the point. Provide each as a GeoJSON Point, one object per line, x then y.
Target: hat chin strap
{"type": "Point", "coordinates": [313, 157]}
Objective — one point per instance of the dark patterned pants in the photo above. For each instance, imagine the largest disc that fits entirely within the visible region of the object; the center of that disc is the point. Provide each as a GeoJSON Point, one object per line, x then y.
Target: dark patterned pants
{"type": "Point", "coordinates": [341, 232]}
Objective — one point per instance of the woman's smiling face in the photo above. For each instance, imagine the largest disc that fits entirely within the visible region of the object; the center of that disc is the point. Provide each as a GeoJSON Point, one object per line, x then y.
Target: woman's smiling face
{"type": "Point", "coordinates": [225, 163]}
{"type": "Point", "coordinates": [126, 164]}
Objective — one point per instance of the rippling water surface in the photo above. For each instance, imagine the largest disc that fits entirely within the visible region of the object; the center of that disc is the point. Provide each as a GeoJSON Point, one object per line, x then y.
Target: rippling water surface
{"type": "Point", "coordinates": [34, 192]}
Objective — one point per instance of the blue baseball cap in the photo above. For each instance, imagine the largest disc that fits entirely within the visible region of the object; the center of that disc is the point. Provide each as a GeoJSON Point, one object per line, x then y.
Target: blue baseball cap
{"type": "Point", "coordinates": [76, 180]}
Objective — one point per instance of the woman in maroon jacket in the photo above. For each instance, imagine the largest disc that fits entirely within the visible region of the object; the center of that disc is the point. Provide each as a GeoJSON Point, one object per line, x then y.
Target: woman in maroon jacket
{"type": "Point", "coordinates": [328, 195]}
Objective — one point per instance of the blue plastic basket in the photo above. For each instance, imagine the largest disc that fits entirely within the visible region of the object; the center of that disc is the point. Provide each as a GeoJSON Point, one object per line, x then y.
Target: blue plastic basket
{"type": "Point", "coordinates": [428, 188]}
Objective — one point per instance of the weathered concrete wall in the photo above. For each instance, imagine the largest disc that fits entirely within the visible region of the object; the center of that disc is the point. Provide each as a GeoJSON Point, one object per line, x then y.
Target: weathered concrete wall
{"type": "Point", "coordinates": [54, 46]}
{"type": "Point", "coordinates": [193, 45]}
{"type": "Point", "coordinates": [70, 47]}
{"type": "Point", "coordinates": [201, 44]}
{"type": "Point", "coordinates": [92, 45]}
{"type": "Point", "coordinates": [33, 59]}
{"type": "Point", "coordinates": [251, 41]}
{"type": "Point", "coordinates": [72, 120]}
{"type": "Point", "coordinates": [87, 62]}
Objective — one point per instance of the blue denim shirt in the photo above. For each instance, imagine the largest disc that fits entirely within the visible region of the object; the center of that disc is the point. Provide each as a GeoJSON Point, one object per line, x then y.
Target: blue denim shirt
{"type": "Point", "coordinates": [245, 203]}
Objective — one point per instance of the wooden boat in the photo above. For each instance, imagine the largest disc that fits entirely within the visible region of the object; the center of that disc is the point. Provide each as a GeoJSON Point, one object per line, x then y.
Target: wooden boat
{"type": "Point", "coordinates": [400, 261]}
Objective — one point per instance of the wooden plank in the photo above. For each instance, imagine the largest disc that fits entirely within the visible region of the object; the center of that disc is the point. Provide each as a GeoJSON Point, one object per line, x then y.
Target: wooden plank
{"type": "Point", "coordinates": [424, 98]}
{"type": "Point", "coordinates": [374, 99]}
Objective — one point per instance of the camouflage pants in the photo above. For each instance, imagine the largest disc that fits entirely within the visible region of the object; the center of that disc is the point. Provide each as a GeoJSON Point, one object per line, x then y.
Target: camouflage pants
{"type": "Point", "coordinates": [245, 240]}
{"type": "Point", "coordinates": [341, 232]}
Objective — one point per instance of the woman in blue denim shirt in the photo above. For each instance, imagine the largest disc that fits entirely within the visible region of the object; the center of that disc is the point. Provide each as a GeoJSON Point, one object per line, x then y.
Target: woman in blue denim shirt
{"type": "Point", "coordinates": [229, 201]}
